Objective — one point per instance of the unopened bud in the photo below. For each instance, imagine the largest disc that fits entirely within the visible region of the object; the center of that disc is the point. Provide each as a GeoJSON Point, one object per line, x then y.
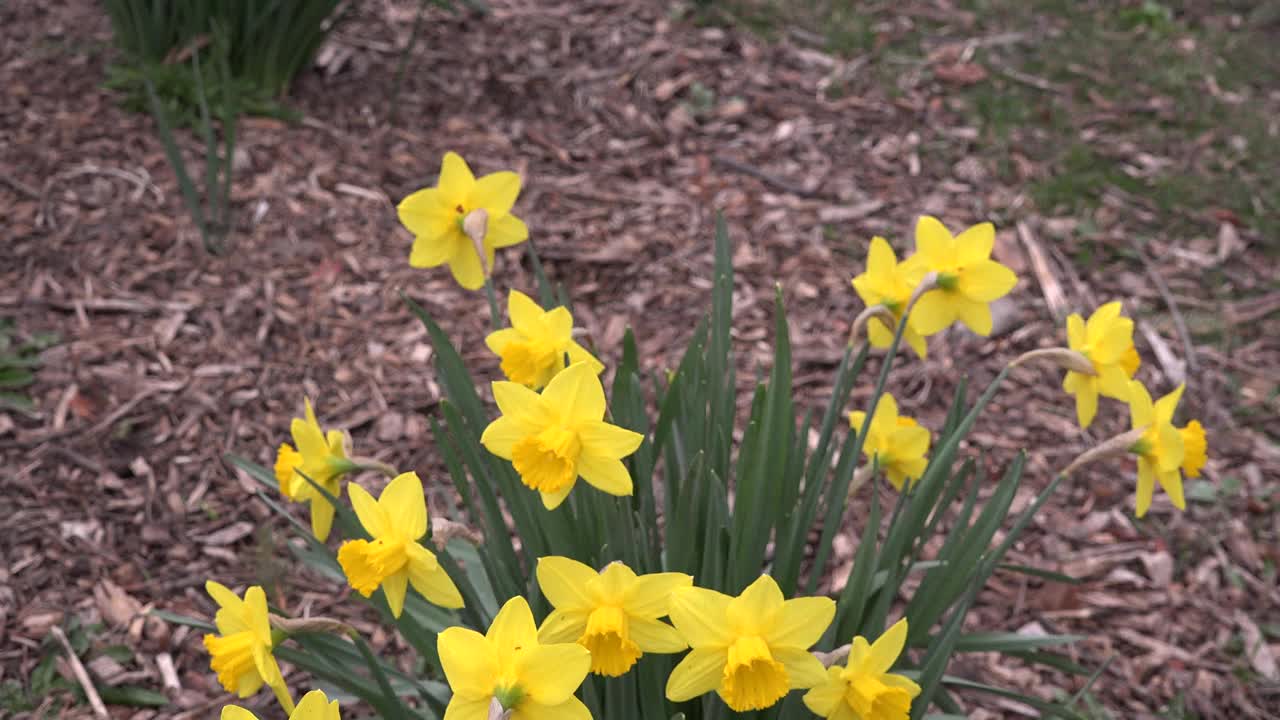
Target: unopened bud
{"type": "Point", "coordinates": [475, 226]}
{"type": "Point", "coordinates": [497, 712]}
{"type": "Point", "coordinates": [1115, 447]}
{"type": "Point", "coordinates": [884, 314]}
{"type": "Point", "coordinates": [311, 625]}
{"type": "Point", "coordinates": [443, 530]}
{"type": "Point", "coordinates": [1062, 357]}
{"type": "Point", "coordinates": [834, 657]}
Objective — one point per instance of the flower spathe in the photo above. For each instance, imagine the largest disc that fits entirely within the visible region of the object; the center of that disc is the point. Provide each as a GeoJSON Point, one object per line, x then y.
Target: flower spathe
{"type": "Point", "coordinates": [319, 456]}
{"type": "Point", "coordinates": [968, 280]}
{"type": "Point", "coordinates": [864, 689]}
{"type": "Point", "coordinates": [534, 348]}
{"type": "Point", "coordinates": [613, 613]}
{"type": "Point", "coordinates": [532, 680]}
{"type": "Point", "coordinates": [751, 649]}
{"type": "Point", "coordinates": [240, 652]}
{"type": "Point", "coordinates": [885, 282]}
{"type": "Point", "coordinates": [897, 443]}
{"type": "Point", "coordinates": [436, 215]}
{"type": "Point", "coordinates": [394, 558]}
{"type": "Point", "coordinates": [555, 437]}
{"type": "Point", "coordinates": [1106, 341]}
{"type": "Point", "coordinates": [1161, 451]}
{"type": "Point", "coordinates": [313, 706]}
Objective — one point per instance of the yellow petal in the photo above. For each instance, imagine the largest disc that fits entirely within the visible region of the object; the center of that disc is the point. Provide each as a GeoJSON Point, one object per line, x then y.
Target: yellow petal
{"type": "Point", "coordinates": [506, 231]}
{"type": "Point", "coordinates": [321, 518]}
{"type": "Point", "coordinates": [885, 650]}
{"type": "Point", "coordinates": [496, 192]}
{"type": "Point", "coordinates": [1195, 448]}
{"type": "Point", "coordinates": [550, 674]}
{"type": "Point", "coordinates": [372, 516]}
{"type": "Point", "coordinates": [1114, 342]}
{"type": "Point", "coordinates": [468, 709]}
{"type": "Point", "coordinates": [801, 622]}
{"type": "Point", "coordinates": [225, 598]}
{"type": "Point", "coordinates": [1075, 332]}
{"type": "Point", "coordinates": [558, 323]}
{"type": "Point", "coordinates": [314, 706]}
{"type": "Point", "coordinates": [563, 626]}
{"type": "Point", "coordinates": [553, 500]}
{"type": "Point", "coordinates": [879, 334]}
{"type": "Point", "coordinates": [974, 244]}
{"type": "Point", "coordinates": [524, 313]}
{"type": "Point", "coordinates": [986, 281]}
{"type": "Point", "coordinates": [1141, 411]}
{"type": "Point", "coordinates": [974, 314]}
{"type": "Point", "coordinates": [824, 698]}
{"type": "Point", "coordinates": [697, 674]}
{"type": "Point", "coordinates": [1171, 452]}
{"type": "Point", "coordinates": [654, 636]}
{"type": "Point", "coordinates": [606, 474]}
{"type": "Point", "coordinates": [915, 340]}
{"type": "Point", "coordinates": [909, 441]}
{"type": "Point", "coordinates": [699, 615]}
{"type": "Point", "coordinates": [600, 439]}
{"type": "Point", "coordinates": [571, 709]}
{"type": "Point", "coordinates": [513, 627]}
{"type": "Point", "coordinates": [753, 612]}
{"type": "Point", "coordinates": [564, 582]}
{"type": "Point", "coordinates": [519, 403]}
{"type": "Point", "coordinates": [934, 243]}
{"type": "Point", "coordinates": [469, 662]}
{"type": "Point", "coordinates": [881, 260]}
{"type": "Point", "coordinates": [1101, 319]}
{"type": "Point", "coordinates": [234, 712]}
{"type": "Point", "coordinates": [1113, 382]}
{"type": "Point", "coordinates": [1166, 405]}
{"type": "Point", "coordinates": [498, 339]}
{"type": "Point", "coordinates": [1146, 486]}
{"type": "Point", "coordinates": [578, 354]}
{"type": "Point", "coordinates": [394, 586]}
{"type": "Point", "coordinates": [934, 312]}
{"type": "Point", "coordinates": [803, 669]}
{"type": "Point", "coordinates": [1086, 402]}
{"type": "Point", "coordinates": [464, 263]}
{"type": "Point", "coordinates": [576, 393]}
{"type": "Point", "coordinates": [650, 595]}
{"type": "Point", "coordinates": [433, 250]}
{"type": "Point", "coordinates": [856, 419]}
{"type": "Point", "coordinates": [502, 434]}
{"type": "Point", "coordinates": [309, 439]}
{"type": "Point", "coordinates": [430, 579]}
{"type": "Point", "coordinates": [456, 180]}
{"type": "Point", "coordinates": [405, 506]}
{"type": "Point", "coordinates": [255, 611]}
{"type": "Point", "coordinates": [905, 683]}
{"type": "Point", "coordinates": [1171, 481]}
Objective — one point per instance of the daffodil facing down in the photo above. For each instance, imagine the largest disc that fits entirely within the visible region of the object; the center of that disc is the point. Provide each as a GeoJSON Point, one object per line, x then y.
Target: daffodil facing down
{"type": "Point", "coordinates": [448, 220]}
{"type": "Point", "coordinates": [885, 283]}
{"type": "Point", "coordinates": [559, 435]}
{"type": "Point", "coordinates": [1106, 342]}
{"type": "Point", "coordinates": [865, 689]}
{"type": "Point", "coordinates": [537, 344]}
{"type": "Point", "coordinates": [895, 442]}
{"type": "Point", "coordinates": [240, 652]}
{"type": "Point", "coordinates": [613, 613]}
{"type": "Point", "coordinates": [394, 559]}
{"type": "Point", "coordinates": [313, 706]}
{"type": "Point", "coordinates": [752, 649]}
{"type": "Point", "coordinates": [967, 279]}
{"type": "Point", "coordinates": [319, 456]}
{"type": "Point", "coordinates": [529, 679]}
{"type": "Point", "coordinates": [1162, 450]}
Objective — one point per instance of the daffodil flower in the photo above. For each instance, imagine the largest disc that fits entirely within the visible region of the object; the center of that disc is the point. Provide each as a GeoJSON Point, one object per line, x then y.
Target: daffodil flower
{"type": "Point", "coordinates": [534, 348]}
{"type": "Point", "coordinates": [865, 689]}
{"type": "Point", "coordinates": [1106, 341]}
{"type": "Point", "coordinates": [436, 217]}
{"type": "Point", "coordinates": [320, 457]}
{"type": "Point", "coordinates": [554, 437]}
{"type": "Point", "coordinates": [885, 283]}
{"type": "Point", "coordinates": [394, 559]}
{"type": "Point", "coordinates": [751, 649]}
{"type": "Point", "coordinates": [529, 679]}
{"type": "Point", "coordinates": [967, 278]}
{"type": "Point", "coordinates": [1161, 451]}
{"type": "Point", "coordinates": [613, 613]}
{"type": "Point", "coordinates": [897, 443]}
{"type": "Point", "coordinates": [313, 706]}
{"type": "Point", "coordinates": [240, 653]}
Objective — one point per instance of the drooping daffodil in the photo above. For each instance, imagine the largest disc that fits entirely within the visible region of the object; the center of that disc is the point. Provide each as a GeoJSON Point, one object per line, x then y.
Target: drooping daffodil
{"type": "Point", "coordinates": [539, 344]}
{"type": "Point", "coordinates": [555, 437]}
{"type": "Point", "coordinates": [885, 282]}
{"type": "Point", "coordinates": [967, 279]}
{"type": "Point", "coordinates": [1106, 341]}
{"type": "Point", "coordinates": [1162, 450]}
{"type": "Point", "coordinates": [529, 680]}
{"type": "Point", "coordinates": [864, 689]}
{"type": "Point", "coordinates": [319, 456]}
{"type": "Point", "coordinates": [394, 559]}
{"type": "Point", "coordinates": [444, 218]}
{"type": "Point", "coordinates": [313, 706]}
{"type": "Point", "coordinates": [751, 649]}
{"type": "Point", "coordinates": [240, 652]}
{"type": "Point", "coordinates": [897, 443]}
{"type": "Point", "coordinates": [613, 613]}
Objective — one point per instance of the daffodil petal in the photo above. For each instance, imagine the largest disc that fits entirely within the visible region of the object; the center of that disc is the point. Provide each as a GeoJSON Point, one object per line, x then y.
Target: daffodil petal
{"type": "Point", "coordinates": [464, 263]}
{"type": "Point", "coordinates": [519, 403]}
{"type": "Point", "coordinates": [524, 313]}
{"type": "Point", "coordinates": [394, 586]}
{"type": "Point", "coordinates": [803, 669]}
{"type": "Point", "coordinates": [315, 706]}
{"type": "Point", "coordinates": [562, 626]}
{"type": "Point", "coordinates": [371, 515]}
{"type": "Point", "coordinates": [456, 180]}
{"type": "Point", "coordinates": [235, 712]}
{"type": "Point", "coordinates": [824, 698]}
{"type": "Point", "coordinates": [607, 474]}
{"type": "Point", "coordinates": [564, 581]}
{"type": "Point", "coordinates": [1166, 405]}
{"type": "Point", "coordinates": [601, 439]}
{"type": "Point", "coordinates": [974, 245]}
{"type": "Point", "coordinates": [699, 615]}
{"type": "Point", "coordinates": [405, 506]}
{"type": "Point", "coordinates": [654, 636]}
{"type": "Point", "coordinates": [1076, 337]}
{"type": "Point", "coordinates": [321, 518]}
{"type": "Point", "coordinates": [1146, 486]}
{"type": "Point", "coordinates": [934, 312]}
{"type": "Point", "coordinates": [975, 315]}
{"type": "Point", "coordinates": [577, 393]}
{"type": "Point", "coordinates": [553, 500]}
{"type": "Point", "coordinates": [1086, 402]}
{"type": "Point", "coordinates": [513, 627]}
{"type": "Point", "coordinates": [885, 650]}
{"type": "Point", "coordinates": [461, 708]}
{"type": "Point", "coordinates": [650, 595]}
{"type": "Point", "coordinates": [496, 192]}
{"type": "Point", "coordinates": [697, 674]}
{"type": "Point", "coordinates": [506, 231]}
{"type": "Point", "coordinates": [934, 242]}
{"type": "Point", "coordinates": [309, 439]}
{"type": "Point", "coordinates": [571, 709]}
{"type": "Point", "coordinates": [469, 662]}
{"type": "Point", "coordinates": [1113, 382]}
{"type": "Point", "coordinates": [756, 607]}
{"type": "Point", "coordinates": [801, 622]}
{"type": "Point", "coordinates": [429, 578]}
{"type": "Point", "coordinates": [551, 673]}
{"type": "Point", "coordinates": [1171, 481]}
{"type": "Point", "coordinates": [578, 354]}
{"type": "Point", "coordinates": [1141, 411]}
{"type": "Point", "coordinates": [498, 339]}
{"type": "Point", "coordinates": [433, 250]}
{"type": "Point", "coordinates": [986, 281]}
{"type": "Point", "coordinates": [903, 682]}
{"type": "Point", "coordinates": [223, 595]}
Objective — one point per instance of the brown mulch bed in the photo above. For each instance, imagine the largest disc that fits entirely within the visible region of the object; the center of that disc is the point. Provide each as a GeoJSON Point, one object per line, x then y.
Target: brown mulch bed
{"type": "Point", "coordinates": [631, 127]}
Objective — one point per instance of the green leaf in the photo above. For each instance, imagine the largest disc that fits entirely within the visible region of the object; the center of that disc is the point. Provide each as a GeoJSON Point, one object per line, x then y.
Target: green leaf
{"type": "Point", "coordinates": [132, 696]}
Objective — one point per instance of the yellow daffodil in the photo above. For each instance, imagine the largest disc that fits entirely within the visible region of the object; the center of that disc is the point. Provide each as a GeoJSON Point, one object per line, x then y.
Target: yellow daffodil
{"type": "Point", "coordinates": [313, 706]}
{"type": "Point", "coordinates": [554, 437]}
{"type": "Point", "coordinates": [394, 558]}
{"type": "Point", "coordinates": [1106, 341]}
{"type": "Point", "coordinates": [436, 216]}
{"type": "Point", "coordinates": [1195, 448]}
{"type": "Point", "coordinates": [534, 348]}
{"type": "Point", "coordinates": [750, 649]}
{"type": "Point", "coordinates": [897, 443]}
{"type": "Point", "coordinates": [885, 283]}
{"type": "Point", "coordinates": [531, 680]}
{"type": "Point", "coordinates": [967, 278]}
{"type": "Point", "coordinates": [321, 457]}
{"type": "Point", "coordinates": [613, 613]}
{"type": "Point", "coordinates": [240, 653]}
{"type": "Point", "coordinates": [865, 689]}
{"type": "Point", "coordinates": [1161, 450]}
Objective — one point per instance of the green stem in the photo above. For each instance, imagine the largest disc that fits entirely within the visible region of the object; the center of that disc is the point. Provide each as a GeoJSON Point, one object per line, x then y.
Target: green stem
{"type": "Point", "coordinates": [495, 315]}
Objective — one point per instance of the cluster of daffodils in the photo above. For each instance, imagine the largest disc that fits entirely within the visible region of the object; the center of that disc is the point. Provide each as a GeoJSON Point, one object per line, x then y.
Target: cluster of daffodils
{"type": "Point", "coordinates": [552, 426]}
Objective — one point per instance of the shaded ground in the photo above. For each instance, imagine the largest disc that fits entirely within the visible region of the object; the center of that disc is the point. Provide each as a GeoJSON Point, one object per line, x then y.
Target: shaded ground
{"type": "Point", "coordinates": [632, 123]}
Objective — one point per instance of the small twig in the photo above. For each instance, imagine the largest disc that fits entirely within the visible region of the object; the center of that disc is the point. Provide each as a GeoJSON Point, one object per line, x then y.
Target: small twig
{"type": "Point", "coordinates": [1178, 321]}
{"type": "Point", "coordinates": [1049, 285]}
{"type": "Point", "coordinates": [770, 180]}
{"type": "Point", "coordinates": [82, 675]}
